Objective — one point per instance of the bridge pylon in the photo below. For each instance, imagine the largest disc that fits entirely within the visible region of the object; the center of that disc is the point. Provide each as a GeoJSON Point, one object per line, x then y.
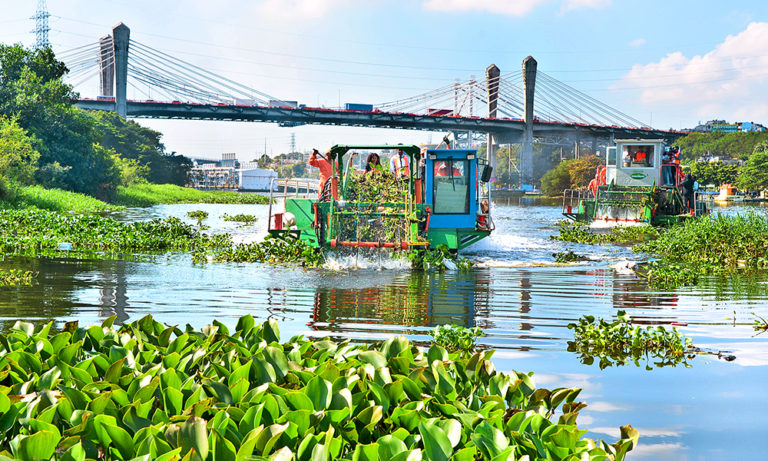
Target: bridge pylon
{"type": "Point", "coordinates": [529, 87]}
{"type": "Point", "coordinates": [121, 37]}
{"type": "Point", "coordinates": [492, 77]}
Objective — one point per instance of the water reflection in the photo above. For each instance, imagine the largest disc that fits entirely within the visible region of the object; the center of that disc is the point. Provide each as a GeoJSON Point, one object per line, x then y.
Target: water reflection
{"type": "Point", "coordinates": [413, 300]}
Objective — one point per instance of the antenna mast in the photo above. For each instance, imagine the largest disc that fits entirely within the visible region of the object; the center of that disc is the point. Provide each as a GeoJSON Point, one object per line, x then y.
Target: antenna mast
{"type": "Point", "coordinates": [41, 25]}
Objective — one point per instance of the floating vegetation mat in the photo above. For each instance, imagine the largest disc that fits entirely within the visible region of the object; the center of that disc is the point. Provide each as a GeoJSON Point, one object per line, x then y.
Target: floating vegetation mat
{"type": "Point", "coordinates": [621, 342]}
{"type": "Point", "coordinates": [148, 391]}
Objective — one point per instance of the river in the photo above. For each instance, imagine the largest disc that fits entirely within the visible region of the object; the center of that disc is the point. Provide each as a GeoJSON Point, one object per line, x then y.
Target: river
{"type": "Point", "coordinates": [716, 409]}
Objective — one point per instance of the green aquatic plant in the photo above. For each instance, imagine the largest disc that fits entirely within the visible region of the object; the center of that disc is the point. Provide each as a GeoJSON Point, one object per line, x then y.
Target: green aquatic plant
{"type": "Point", "coordinates": [149, 391]}
{"type": "Point", "coordinates": [16, 277]}
{"type": "Point", "coordinates": [439, 258]}
{"type": "Point", "coordinates": [246, 219]}
{"type": "Point", "coordinates": [621, 342]}
{"type": "Point", "coordinates": [456, 338]}
{"type": "Point", "coordinates": [35, 232]}
{"type": "Point", "coordinates": [199, 215]}
{"type": "Point", "coordinates": [667, 275]}
{"type": "Point", "coordinates": [577, 232]}
{"type": "Point", "coordinates": [272, 249]}
{"type": "Point", "coordinates": [568, 257]}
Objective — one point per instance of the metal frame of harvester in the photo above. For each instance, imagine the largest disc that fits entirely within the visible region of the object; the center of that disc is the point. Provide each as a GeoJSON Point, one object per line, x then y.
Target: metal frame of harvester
{"type": "Point", "coordinates": [452, 210]}
{"type": "Point", "coordinates": [639, 184]}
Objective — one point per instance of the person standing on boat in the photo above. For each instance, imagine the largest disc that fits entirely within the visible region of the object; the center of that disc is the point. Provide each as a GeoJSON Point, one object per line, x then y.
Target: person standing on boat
{"type": "Point", "coordinates": [688, 192]}
{"type": "Point", "coordinates": [373, 163]}
{"type": "Point", "coordinates": [398, 164]}
{"type": "Point", "coordinates": [326, 171]}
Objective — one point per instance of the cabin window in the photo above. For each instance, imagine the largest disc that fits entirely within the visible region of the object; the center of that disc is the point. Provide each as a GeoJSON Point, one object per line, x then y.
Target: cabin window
{"type": "Point", "coordinates": [611, 156]}
{"type": "Point", "coordinates": [450, 187]}
{"type": "Point", "coordinates": [638, 156]}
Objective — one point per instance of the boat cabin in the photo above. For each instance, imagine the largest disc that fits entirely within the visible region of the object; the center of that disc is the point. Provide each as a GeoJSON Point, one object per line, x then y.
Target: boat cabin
{"type": "Point", "coordinates": [638, 162]}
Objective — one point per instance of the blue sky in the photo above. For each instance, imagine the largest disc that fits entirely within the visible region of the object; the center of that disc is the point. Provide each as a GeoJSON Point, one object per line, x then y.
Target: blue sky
{"type": "Point", "coordinates": [670, 64]}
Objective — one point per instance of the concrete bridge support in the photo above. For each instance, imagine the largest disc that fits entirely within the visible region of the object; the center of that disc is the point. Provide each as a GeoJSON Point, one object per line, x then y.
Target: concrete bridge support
{"type": "Point", "coordinates": [122, 36]}
{"type": "Point", "coordinates": [529, 87]}
{"type": "Point", "coordinates": [107, 66]}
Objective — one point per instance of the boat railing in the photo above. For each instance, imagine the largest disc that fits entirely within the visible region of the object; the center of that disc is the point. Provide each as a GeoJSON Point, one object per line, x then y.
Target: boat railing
{"type": "Point", "coordinates": [572, 198]}
{"type": "Point", "coordinates": [285, 188]}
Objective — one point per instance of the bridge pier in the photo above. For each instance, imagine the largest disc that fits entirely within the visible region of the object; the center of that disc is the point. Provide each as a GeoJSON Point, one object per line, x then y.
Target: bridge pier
{"type": "Point", "coordinates": [529, 87]}
{"type": "Point", "coordinates": [121, 36]}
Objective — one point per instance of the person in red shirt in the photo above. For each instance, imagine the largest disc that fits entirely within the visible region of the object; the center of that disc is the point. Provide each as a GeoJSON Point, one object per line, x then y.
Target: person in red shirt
{"type": "Point", "coordinates": [324, 165]}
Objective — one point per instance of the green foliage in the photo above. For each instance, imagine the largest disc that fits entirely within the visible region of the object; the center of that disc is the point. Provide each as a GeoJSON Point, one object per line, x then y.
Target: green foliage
{"type": "Point", "coordinates": [16, 277]}
{"type": "Point", "coordinates": [754, 173]}
{"type": "Point", "coordinates": [556, 180]}
{"type": "Point", "coordinates": [246, 219]}
{"type": "Point", "coordinates": [439, 258]}
{"type": "Point", "coordinates": [716, 173]}
{"type": "Point", "coordinates": [272, 249]}
{"type": "Point", "coordinates": [727, 242]}
{"type": "Point", "coordinates": [58, 200]}
{"type": "Point", "coordinates": [18, 159]}
{"type": "Point", "coordinates": [456, 338]}
{"type": "Point", "coordinates": [141, 147]}
{"type": "Point", "coordinates": [376, 187]}
{"type": "Point", "coordinates": [40, 232]}
{"type": "Point", "coordinates": [577, 232]}
{"type": "Point", "coordinates": [619, 342]}
{"type": "Point", "coordinates": [695, 145]}
{"type": "Point", "coordinates": [668, 275]}
{"type": "Point", "coordinates": [151, 391]}
{"type": "Point", "coordinates": [570, 174]}
{"type": "Point", "coordinates": [143, 195]}
{"type": "Point", "coordinates": [568, 257]}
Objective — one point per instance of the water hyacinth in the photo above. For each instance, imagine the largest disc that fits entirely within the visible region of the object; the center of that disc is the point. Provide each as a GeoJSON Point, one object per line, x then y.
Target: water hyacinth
{"type": "Point", "coordinates": [620, 342]}
{"type": "Point", "coordinates": [35, 231]}
{"type": "Point", "coordinates": [154, 392]}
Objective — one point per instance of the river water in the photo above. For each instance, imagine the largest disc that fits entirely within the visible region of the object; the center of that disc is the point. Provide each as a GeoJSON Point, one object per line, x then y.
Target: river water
{"type": "Point", "coordinates": [716, 409]}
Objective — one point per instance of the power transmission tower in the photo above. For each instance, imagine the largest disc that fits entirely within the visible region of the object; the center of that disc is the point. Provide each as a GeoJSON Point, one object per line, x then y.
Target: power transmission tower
{"type": "Point", "coordinates": [41, 25]}
{"type": "Point", "coordinates": [293, 142]}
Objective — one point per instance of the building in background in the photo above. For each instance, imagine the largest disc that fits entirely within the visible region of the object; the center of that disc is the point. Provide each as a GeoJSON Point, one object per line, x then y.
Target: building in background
{"type": "Point", "coordinates": [724, 127]}
{"type": "Point", "coordinates": [229, 174]}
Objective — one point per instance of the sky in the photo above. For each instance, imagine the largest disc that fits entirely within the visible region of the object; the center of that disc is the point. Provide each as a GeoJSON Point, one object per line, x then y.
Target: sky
{"type": "Point", "coordinates": [670, 64]}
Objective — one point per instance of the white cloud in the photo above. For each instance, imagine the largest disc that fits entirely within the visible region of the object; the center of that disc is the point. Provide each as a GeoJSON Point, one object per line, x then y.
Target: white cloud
{"type": "Point", "coordinates": [727, 82]}
{"type": "Point", "coordinates": [508, 7]}
{"type": "Point", "coordinates": [569, 5]}
{"type": "Point", "coordinates": [637, 42]}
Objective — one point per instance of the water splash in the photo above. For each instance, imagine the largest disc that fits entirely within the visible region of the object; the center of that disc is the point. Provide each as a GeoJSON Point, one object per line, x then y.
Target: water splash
{"type": "Point", "coordinates": [377, 260]}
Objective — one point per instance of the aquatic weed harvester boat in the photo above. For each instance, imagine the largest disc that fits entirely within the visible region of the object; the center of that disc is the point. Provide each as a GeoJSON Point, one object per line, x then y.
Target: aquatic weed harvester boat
{"type": "Point", "coordinates": [639, 184]}
{"type": "Point", "coordinates": [440, 200]}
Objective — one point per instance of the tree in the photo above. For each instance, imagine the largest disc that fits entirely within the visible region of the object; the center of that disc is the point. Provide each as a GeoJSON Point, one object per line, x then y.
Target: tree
{"type": "Point", "coordinates": [736, 145]}
{"type": "Point", "coordinates": [754, 173]}
{"type": "Point", "coordinates": [18, 159]}
{"type": "Point", "coordinates": [582, 170]}
{"type": "Point", "coordinates": [716, 173]}
{"type": "Point", "coordinates": [570, 174]}
{"type": "Point", "coordinates": [556, 180]}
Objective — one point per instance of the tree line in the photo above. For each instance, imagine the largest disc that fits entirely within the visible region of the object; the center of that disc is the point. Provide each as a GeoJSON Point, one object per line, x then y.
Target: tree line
{"type": "Point", "coordinates": [46, 140]}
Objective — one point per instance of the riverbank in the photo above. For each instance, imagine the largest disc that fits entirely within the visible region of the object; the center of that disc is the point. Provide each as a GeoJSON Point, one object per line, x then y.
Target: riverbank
{"type": "Point", "coordinates": [137, 195]}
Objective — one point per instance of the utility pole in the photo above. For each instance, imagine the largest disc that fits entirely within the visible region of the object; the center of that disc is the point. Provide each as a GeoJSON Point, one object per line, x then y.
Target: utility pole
{"type": "Point", "coordinates": [41, 25]}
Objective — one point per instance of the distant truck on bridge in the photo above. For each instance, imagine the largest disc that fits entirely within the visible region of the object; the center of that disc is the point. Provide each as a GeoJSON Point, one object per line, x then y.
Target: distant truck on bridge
{"type": "Point", "coordinates": [358, 107]}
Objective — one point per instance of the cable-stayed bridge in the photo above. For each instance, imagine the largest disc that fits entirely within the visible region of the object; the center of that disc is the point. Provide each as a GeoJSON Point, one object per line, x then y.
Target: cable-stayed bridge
{"type": "Point", "coordinates": [506, 108]}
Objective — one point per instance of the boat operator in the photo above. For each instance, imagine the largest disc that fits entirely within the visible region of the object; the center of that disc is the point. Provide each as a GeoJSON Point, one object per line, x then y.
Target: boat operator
{"type": "Point", "coordinates": [324, 165]}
